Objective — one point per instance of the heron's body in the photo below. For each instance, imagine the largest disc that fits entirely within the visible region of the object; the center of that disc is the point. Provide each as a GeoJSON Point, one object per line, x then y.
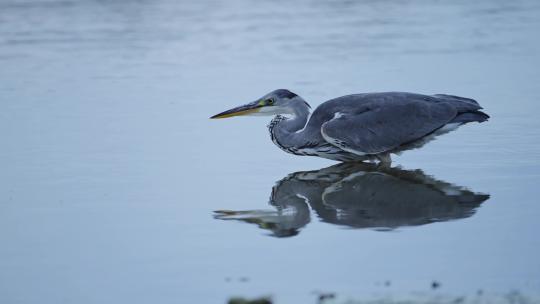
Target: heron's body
{"type": "Point", "coordinates": [362, 126]}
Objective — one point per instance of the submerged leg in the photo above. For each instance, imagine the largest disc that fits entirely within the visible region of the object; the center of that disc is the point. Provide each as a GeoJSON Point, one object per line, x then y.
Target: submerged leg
{"type": "Point", "coordinates": [384, 159]}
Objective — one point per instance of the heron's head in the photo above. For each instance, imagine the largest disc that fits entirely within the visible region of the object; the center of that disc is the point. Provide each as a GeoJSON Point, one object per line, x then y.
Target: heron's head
{"type": "Point", "coordinates": [276, 102]}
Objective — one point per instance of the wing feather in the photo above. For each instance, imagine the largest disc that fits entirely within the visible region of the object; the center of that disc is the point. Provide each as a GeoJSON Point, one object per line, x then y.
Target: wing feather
{"type": "Point", "coordinates": [386, 127]}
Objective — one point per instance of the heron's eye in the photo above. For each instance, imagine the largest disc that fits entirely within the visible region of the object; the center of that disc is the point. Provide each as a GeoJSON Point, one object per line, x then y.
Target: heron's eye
{"type": "Point", "coordinates": [270, 101]}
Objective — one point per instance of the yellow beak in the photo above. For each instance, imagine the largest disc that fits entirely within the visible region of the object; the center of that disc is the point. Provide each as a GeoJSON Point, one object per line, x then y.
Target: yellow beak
{"type": "Point", "coordinates": [251, 107]}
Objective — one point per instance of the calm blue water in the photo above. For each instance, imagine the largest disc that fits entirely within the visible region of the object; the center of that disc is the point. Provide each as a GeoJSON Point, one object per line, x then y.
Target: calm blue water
{"type": "Point", "coordinates": [112, 171]}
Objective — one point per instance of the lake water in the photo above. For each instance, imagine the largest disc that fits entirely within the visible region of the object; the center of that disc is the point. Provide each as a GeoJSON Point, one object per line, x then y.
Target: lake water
{"type": "Point", "coordinates": [112, 172]}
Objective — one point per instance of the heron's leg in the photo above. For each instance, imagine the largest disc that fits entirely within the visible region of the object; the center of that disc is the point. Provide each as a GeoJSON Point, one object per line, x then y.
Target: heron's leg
{"type": "Point", "coordinates": [384, 159]}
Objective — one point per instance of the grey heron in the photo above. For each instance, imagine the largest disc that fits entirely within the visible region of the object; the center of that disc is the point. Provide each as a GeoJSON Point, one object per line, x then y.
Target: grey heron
{"type": "Point", "coordinates": [358, 127]}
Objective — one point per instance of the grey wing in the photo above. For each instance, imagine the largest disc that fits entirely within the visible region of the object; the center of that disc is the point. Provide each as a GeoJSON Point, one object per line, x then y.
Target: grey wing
{"type": "Point", "coordinates": [384, 128]}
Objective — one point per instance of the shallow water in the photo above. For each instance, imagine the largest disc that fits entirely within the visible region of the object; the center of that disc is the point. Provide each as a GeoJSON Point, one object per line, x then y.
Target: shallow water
{"type": "Point", "coordinates": [112, 172]}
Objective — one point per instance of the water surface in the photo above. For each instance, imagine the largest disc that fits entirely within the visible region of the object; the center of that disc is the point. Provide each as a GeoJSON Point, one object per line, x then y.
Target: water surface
{"type": "Point", "coordinates": [112, 172]}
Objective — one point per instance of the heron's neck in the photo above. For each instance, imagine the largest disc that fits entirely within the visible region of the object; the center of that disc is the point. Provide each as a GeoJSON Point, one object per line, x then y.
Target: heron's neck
{"type": "Point", "coordinates": [286, 131]}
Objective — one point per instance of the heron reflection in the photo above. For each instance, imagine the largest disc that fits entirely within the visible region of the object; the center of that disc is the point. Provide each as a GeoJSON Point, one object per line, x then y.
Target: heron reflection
{"type": "Point", "coordinates": [359, 195]}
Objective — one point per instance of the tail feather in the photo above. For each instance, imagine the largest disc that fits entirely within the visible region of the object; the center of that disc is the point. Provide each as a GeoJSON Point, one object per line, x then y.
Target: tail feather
{"type": "Point", "coordinates": [459, 98]}
{"type": "Point", "coordinates": [472, 116]}
{"type": "Point", "coordinates": [461, 104]}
